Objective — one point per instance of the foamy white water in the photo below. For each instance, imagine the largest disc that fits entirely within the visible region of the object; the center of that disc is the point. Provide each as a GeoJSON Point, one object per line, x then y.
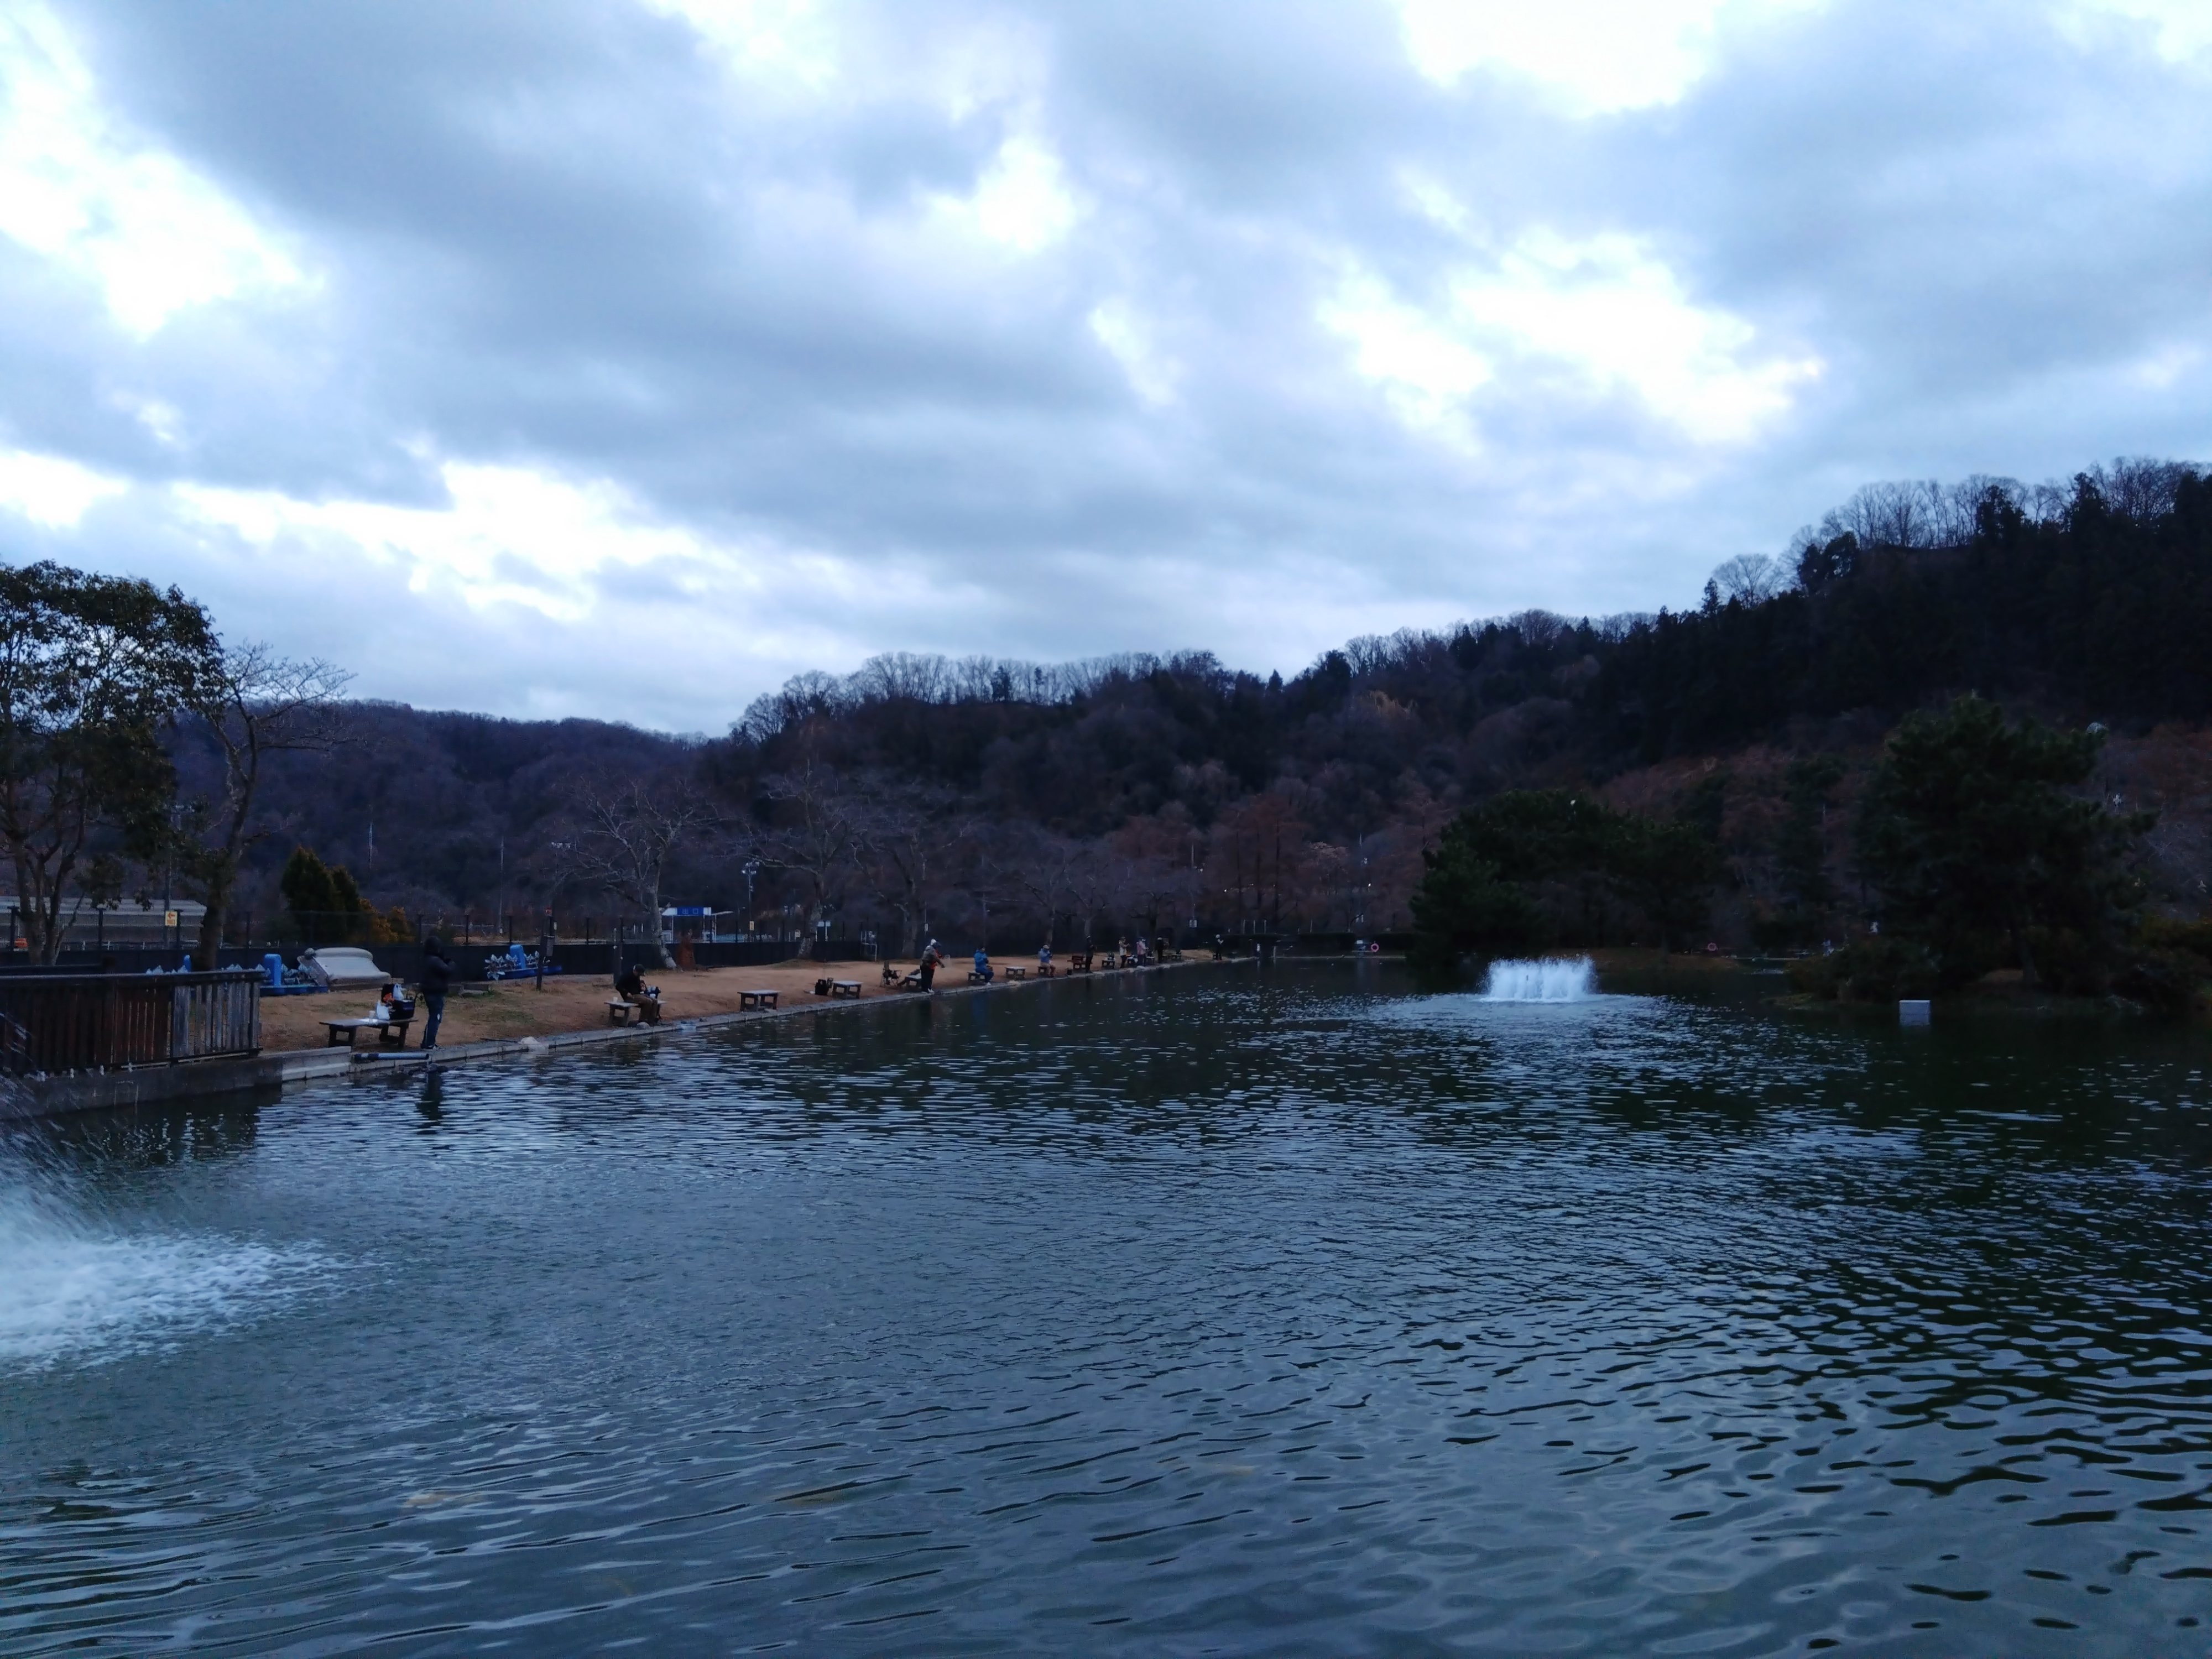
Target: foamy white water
{"type": "Point", "coordinates": [1552, 980]}
{"type": "Point", "coordinates": [70, 1288]}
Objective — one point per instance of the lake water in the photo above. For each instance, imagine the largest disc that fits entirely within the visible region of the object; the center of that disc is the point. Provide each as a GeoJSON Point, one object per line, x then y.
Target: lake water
{"type": "Point", "coordinates": [1207, 1313]}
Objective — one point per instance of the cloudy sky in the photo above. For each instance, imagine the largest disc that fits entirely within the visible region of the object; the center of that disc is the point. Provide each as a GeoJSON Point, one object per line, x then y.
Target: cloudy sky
{"type": "Point", "coordinates": [621, 357]}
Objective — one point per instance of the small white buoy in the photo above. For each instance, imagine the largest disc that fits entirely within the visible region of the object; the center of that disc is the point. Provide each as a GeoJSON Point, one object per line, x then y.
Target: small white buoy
{"type": "Point", "coordinates": [1912, 1012]}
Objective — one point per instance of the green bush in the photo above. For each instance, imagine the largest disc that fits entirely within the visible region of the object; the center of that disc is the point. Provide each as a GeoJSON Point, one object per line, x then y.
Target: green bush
{"type": "Point", "coordinates": [1878, 970]}
{"type": "Point", "coordinates": [2193, 938]}
{"type": "Point", "coordinates": [2070, 965]}
{"type": "Point", "coordinates": [2165, 981]}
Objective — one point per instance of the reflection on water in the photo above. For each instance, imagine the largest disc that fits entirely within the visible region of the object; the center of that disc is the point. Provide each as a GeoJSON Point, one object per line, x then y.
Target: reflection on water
{"type": "Point", "coordinates": [1210, 1313]}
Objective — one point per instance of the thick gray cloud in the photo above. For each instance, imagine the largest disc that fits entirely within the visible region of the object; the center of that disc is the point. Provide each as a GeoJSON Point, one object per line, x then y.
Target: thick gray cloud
{"type": "Point", "coordinates": [623, 358]}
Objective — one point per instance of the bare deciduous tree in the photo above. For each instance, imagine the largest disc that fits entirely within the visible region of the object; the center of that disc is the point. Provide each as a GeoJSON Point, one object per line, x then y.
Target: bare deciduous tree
{"type": "Point", "coordinates": [911, 833]}
{"type": "Point", "coordinates": [823, 833]}
{"type": "Point", "coordinates": [253, 704]}
{"type": "Point", "coordinates": [626, 833]}
{"type": "Point", "coordinates": [1046, 866]}
{"type": "Point", "coordinates": [1753, 578]}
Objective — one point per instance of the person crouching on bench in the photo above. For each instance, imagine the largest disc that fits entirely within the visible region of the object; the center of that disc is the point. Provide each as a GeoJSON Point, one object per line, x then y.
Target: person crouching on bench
{"type": "Point", "coordinates": [982, 964]}
{"type": "Point", "coordinates": [631, 989]}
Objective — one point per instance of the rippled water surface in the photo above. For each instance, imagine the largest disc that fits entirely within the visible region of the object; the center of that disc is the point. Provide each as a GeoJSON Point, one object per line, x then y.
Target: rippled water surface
{"type": "Point", "coordinates": [1204, 1314]}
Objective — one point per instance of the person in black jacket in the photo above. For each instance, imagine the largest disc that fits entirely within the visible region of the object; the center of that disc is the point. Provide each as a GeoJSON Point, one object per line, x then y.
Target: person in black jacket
{"type": "Point", "coordinates": [437, 976]}
{"type": "Point", "coordinates": [631, 988]}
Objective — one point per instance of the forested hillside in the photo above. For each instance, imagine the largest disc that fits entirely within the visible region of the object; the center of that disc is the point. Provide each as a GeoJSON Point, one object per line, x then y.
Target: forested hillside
{"type": "Point", "coordinates": [1187, 788]}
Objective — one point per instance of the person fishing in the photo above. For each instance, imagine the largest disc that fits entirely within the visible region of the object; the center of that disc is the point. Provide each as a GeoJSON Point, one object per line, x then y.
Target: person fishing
{"type": "Point", "coordinates": [437, 979]}
{"type": "Point", "coordinates": [632, 989]}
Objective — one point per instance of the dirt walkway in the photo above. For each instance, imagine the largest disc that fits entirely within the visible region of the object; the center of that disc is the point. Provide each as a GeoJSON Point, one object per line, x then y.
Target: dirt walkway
{"type": "Point", "coordinates": [574, 1003]}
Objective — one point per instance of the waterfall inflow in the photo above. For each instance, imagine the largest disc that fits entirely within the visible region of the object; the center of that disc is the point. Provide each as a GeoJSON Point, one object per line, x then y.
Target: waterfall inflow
{"type": "Point", "coordinates": [1552, 980]}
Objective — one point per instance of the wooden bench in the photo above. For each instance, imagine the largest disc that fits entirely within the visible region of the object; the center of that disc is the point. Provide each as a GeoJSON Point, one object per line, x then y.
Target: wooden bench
{"type": "Point", "coordinates": [621, 1011]}
{"type": "Point", "coordinates": [1015, 973]}
{"type": "Point", "coordinates": [974, 978]}
{"type": "Point", "coordinates": [1079, 962]}
{"type": "Point", "coordinates": [391, 1031]}
{"type": "Point", "coordinates": [756, 999]}
{"type": "Point", "coordinates": [844, 987]}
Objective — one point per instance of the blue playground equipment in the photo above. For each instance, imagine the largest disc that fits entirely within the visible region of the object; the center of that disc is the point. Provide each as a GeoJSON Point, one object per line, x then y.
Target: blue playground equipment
{"type": "Point", "coordinates": [284, 981]}
{"type": "Point", "coordinates": [517, 963]}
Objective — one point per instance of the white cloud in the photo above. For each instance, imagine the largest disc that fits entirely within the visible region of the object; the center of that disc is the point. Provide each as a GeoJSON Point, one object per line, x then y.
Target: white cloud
{"type": "Point", "coordinates": [512, 536]}
{"type": "Point", "coordinates": [1021, 201]}
{"type": "Point", "coordinates": [2168, 365]}
{"type": "Point", "coordinates": [535, 595]}
{"type": "Point", "coordinates": [1151, 374]}
{"type": "Point", "coordinates": [1594, 318]}
{"type": "Point", "coordinates": [800, 312]}
{"type": "Point", "coordinates": [1425, 371]}
{"type": "Point", "coordinates": [1618, 316]}
{"type": "Point", "coordinates": [783, 41]}
{"type": "Point", "coordinates": [50, 490]}
{"type": "Point", "coordinates": [154, 236]}
{"type": "Point", "coordinates": [2181, 29]}
{"type": "Point", "coordinates": [1597, 55]}
{"type": "Point", "coordinates": [158, 416]}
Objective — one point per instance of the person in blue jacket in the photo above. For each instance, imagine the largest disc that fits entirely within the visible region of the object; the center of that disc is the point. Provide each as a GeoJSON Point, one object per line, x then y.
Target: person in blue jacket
{"type": "Point", "coordinates": [982, 964]}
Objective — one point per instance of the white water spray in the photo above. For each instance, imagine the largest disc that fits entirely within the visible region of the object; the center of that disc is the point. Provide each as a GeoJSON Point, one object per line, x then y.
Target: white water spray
{"type": "Point", "coordinates": [1550, 981]}
{"type": "Point", "coordinates": [73, 1289]}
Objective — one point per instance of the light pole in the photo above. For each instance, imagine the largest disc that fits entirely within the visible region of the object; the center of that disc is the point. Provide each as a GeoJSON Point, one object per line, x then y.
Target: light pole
{"type": "Point", "coordinates": [751, 869]}
{"type": "Point", "coordinates": [169, 877]}
{"type": "Point", "coordinates": [1359, 920]}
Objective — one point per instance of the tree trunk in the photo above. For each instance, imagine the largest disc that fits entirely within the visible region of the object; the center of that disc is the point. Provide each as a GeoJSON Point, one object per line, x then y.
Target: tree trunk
{"type": "Point", "coordinates": [41, 908]}
{"type": "Point", "coordinates": [815, 914]}
{"type": "Point", "coordinates": [207, 951]}
{"type": "Point", "coordinates": [653, 927]}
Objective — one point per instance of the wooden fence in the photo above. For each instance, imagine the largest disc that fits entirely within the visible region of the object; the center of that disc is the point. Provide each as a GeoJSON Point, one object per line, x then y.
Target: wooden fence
{"type": "Point", "coordinates": [89, 1021]}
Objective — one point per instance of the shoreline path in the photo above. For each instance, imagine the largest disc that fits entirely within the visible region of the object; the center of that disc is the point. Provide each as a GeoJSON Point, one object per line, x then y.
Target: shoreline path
{"type": "Point", "coordinates": [511, 1009]}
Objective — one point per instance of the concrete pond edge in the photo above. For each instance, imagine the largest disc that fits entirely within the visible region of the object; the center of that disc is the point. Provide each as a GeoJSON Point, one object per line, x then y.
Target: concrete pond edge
{"type": "Point", "coordinates": [158, 1086]}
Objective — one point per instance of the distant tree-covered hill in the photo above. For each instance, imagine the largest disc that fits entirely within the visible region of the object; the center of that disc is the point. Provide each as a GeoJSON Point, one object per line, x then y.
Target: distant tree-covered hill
{"type": "Point", "coordinates": [1309, 798]}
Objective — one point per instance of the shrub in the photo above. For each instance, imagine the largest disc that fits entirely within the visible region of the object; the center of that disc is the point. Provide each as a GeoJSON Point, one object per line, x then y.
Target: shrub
{"type": "Point", "coordinates": [2194, 938]}
{"type": "Point", "coordinates": [2165, 981]}
{"type": "Point", "coordinates": [1879, 969]}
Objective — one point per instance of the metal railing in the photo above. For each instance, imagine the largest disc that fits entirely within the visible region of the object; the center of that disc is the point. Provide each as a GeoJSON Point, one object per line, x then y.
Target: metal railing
{"type": "Point", "coordinates": [89, 1021]}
